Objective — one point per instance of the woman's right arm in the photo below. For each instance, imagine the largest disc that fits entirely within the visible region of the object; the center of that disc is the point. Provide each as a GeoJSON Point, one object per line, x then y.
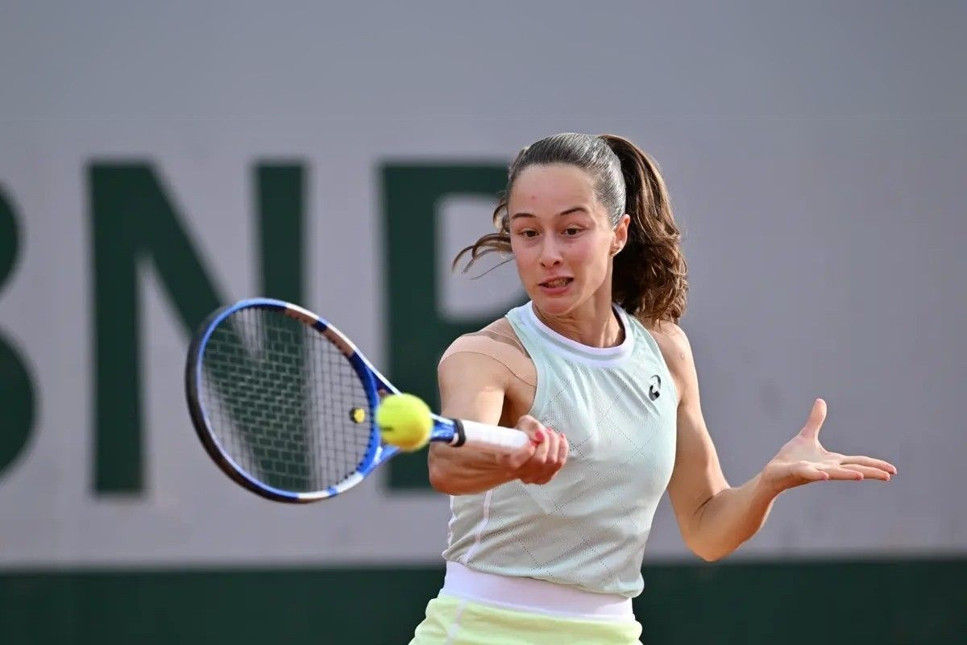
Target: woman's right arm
{"type": "Point", "coordinates": [473, 387]}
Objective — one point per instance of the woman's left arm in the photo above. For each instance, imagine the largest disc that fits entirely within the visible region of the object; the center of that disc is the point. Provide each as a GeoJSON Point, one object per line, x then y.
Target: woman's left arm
{"type": "Point", "coordinates": [715, 518]}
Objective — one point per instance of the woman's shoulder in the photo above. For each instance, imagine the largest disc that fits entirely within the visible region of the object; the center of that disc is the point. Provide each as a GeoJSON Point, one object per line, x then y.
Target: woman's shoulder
{"type": "Point", "coordinates": [673, 344]}
{"type": "Point", "coordinates": [497, 342]}
{"type": "Point", "coordinates": [497, 338]}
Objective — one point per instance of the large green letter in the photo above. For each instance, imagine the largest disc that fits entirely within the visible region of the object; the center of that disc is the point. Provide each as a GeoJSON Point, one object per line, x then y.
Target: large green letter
{"type": "Point", "coordinates": [281, 198]}
{"type": "Point", "coordinates": [16, 388]}
{"type": "Point", "coordinates": [133, 223]}
{"type": "Point", "coordinates": [417, 333]}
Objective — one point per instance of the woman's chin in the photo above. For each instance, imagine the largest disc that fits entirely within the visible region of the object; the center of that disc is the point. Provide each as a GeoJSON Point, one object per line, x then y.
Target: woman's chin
{"type": "Point", "coordinates": [552, 305]}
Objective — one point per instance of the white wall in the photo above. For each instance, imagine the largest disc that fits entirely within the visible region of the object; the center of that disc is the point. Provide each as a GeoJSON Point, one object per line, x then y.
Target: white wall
{"type": "Point", "coordinates": [815, 154]}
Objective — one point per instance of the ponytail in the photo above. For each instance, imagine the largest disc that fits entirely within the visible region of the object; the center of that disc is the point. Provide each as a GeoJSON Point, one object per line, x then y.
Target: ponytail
{"type": "Point", "coordinates": [650, 278]}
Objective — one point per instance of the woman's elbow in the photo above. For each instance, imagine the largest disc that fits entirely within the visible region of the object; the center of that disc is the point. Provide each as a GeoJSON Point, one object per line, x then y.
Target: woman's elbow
{"type": "Point", "coordinates": [706, 551]}
{"type": "Point", "coordinates": [439, 477]}
{"type": "Point", "coordinates": [709, 555]}
{"type": "Point", "coordinates": [441, 473]}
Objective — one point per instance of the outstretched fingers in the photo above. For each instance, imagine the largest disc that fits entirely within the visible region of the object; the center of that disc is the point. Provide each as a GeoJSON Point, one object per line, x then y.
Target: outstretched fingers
{"type": "Point", "coordinates": [811, 473]}
{"type": "Point", "coordinates": [869, 472]}
{"type": "Point", "coordinates": [870, 462]}
{"type": "Point", "coordinates": [838, 472]}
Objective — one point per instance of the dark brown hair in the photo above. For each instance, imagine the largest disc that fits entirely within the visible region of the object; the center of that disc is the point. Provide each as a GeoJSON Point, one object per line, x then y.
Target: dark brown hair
{"type": "Point", "coordinates": [650, 277]}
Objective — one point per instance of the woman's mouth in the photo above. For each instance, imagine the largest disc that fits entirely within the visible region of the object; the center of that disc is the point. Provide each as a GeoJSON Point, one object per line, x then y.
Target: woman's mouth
{"type": "Point", "coordinates": [556, 285]}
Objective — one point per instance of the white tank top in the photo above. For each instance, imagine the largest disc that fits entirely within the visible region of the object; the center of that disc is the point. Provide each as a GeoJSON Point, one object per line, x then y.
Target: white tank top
{"type": "Point", "coordinates": [587, 528]}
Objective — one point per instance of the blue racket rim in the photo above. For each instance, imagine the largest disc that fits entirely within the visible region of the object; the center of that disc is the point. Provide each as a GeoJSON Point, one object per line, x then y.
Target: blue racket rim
{"type": "Point", "coordinates": [371, 380]}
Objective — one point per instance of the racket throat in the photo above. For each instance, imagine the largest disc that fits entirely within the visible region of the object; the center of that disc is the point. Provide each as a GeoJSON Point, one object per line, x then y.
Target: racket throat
{"type": "Point", "coordinates": [459, 434]}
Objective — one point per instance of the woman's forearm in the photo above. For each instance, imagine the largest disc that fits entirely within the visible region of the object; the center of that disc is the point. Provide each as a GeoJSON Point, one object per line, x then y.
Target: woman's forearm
{"type": "Point", "coordinates": [458, 471]}
{"type": "Point", "coordinates": [729, 518]}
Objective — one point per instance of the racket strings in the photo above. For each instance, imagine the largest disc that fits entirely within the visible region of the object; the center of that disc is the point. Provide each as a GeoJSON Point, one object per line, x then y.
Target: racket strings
{"type": "Point", "coordinates": [280, 400]}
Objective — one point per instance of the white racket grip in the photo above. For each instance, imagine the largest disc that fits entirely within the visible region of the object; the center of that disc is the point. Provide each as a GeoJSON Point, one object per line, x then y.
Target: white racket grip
{"type": "Point", "coordinates": [501, 441]}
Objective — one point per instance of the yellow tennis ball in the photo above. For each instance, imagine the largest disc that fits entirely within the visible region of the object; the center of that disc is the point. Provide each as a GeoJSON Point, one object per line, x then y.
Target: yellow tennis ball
{"type": "Point", "coordinates": [404, 421]}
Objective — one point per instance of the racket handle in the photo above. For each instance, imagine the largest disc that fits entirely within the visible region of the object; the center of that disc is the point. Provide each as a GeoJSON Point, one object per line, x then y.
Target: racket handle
{"type": "Point", "coordinates": [489, 438]}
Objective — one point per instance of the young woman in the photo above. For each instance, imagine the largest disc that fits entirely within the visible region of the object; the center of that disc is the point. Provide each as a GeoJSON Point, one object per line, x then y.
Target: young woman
{"type": "Point", "coordinates": [546, 545]}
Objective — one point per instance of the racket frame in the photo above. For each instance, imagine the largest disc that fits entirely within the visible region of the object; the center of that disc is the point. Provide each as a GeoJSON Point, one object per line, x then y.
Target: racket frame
{"type": "Point", "coordinates": [374, 383]}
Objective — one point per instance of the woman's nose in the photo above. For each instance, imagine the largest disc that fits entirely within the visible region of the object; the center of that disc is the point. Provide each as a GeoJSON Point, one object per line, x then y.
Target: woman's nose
{"type": "Point", "coordinates": [550, 253]}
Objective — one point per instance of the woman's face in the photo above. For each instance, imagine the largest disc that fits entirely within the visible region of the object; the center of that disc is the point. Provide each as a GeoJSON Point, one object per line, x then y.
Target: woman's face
{"type": "Point", "coordinates": [561, 237]}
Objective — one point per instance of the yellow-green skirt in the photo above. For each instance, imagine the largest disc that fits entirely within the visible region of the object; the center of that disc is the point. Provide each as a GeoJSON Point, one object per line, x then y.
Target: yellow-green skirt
{"type": "Point", "coordinates": [457, 621]}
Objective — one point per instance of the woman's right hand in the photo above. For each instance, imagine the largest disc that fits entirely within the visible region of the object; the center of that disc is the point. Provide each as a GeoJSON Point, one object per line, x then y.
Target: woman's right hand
{"type": "Point", "coordinates": [538, 461]}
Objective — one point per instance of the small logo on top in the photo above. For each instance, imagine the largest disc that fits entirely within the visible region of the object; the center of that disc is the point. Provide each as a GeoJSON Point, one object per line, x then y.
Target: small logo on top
{"type": "Point", "coordinates": [654, 387]}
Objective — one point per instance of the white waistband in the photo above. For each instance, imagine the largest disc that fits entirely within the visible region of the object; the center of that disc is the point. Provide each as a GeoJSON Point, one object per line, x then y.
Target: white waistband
{"type": "Point", "coordinates": [530, 594]}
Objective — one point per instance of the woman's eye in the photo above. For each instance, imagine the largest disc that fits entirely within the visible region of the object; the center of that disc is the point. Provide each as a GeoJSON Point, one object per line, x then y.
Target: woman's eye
{"type": "Point", "coordinates": [528, 233]}
{"type": "Point", "coordinates": [571, 232]}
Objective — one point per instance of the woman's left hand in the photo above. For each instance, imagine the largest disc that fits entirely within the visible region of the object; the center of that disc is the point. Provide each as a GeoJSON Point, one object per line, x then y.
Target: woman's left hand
{"type": "Point", "coordinates": [803, 459]}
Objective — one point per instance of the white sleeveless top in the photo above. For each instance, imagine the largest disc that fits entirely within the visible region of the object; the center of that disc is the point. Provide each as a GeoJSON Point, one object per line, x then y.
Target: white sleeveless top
{"type": "Point", "coordinates": [586, 528]}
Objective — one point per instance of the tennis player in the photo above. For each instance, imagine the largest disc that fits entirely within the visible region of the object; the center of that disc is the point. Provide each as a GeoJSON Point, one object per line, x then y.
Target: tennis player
{"type": "Point", "coordinates": [546, 545]}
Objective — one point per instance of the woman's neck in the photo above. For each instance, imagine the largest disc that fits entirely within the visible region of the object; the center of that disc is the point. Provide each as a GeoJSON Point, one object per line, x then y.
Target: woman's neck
{"type": "Point", "coordinates": [591, 325]}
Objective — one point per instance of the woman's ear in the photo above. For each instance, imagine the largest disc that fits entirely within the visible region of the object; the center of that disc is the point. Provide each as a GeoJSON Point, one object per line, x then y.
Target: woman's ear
{"type": "Point", "coordinates": [620, 234]}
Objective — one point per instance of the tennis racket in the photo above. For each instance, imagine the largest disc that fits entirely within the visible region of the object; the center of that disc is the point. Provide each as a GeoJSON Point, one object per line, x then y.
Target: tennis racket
{"type": "Point", "coordinates": [285, 404]}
